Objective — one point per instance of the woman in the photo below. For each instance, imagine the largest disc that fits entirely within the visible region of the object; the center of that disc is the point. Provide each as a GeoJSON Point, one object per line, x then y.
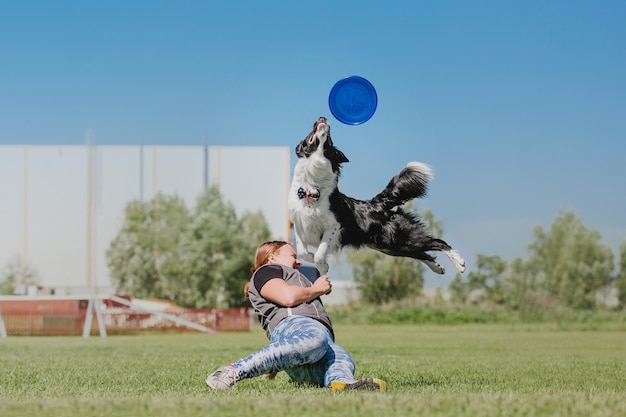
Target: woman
{"type": "Point", "coordinates": [302, 341]}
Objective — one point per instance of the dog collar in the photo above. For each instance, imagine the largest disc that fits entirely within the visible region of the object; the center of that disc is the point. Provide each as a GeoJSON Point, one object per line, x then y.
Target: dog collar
{"type": "Point", "coordinates": [308, 194]}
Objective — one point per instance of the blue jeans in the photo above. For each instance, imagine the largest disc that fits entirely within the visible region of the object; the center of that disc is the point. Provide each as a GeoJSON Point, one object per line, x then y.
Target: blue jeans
{"type": "Point", "coordinates": [304, 348]}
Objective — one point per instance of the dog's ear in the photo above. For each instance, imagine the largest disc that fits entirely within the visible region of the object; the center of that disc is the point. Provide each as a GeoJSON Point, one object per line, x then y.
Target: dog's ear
{"type": "Point", "coordinates": [338, 156]}
{"type": "Point", "coordinates": [299, 150]}
{"type": "Point", "coordinates": [335, 154]}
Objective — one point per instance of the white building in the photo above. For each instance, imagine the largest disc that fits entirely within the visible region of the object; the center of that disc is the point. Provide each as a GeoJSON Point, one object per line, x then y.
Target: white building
{"type": "Point", "coordinates": [60, 206]}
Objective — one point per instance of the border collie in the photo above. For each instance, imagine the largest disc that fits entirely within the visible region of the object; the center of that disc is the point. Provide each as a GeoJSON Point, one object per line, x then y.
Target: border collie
{"type": "Point", "coordinates": [328, 220]}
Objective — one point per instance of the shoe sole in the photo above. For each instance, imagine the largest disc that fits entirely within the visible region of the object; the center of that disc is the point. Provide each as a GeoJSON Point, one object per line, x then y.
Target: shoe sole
{"type": "Point", "coordinates": [217, 384]}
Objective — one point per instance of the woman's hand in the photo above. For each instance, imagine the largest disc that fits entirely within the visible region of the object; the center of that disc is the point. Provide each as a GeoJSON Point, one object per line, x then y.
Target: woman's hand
{"type": "Point", "coordinates": [323, 285]}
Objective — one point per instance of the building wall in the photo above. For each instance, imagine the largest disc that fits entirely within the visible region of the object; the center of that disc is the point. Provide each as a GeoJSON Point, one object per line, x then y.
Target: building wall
{"type": "Point", "coordinates": [60, 206]}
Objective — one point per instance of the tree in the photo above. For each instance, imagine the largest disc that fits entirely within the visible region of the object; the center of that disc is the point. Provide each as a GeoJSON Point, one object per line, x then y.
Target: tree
{"type": "Point", "coordinates": [569, 261]}
{"type": "Point", "coordinates": [219, 252]}
{"type": "Point", "coordinates": [196, 260]}
{"type": "Point", "coordinates": [15, 275]}
{"type": "Point", "coordinates": [144, 258]}
{"type": "Point", "coordinates": [567, 266]}
{"type": "Point", "coordinates": [202, 259]}
{"type": "Point", "coordinates": [253, 231]}
{"type": "Point", "coordinates": [519, 289]}
{"type": "Point", "coordinates": [620, 281]}
{"type": "Point", "coordinates": [487, 280]}
{"type": "Point", "coordinates": [382, 278]}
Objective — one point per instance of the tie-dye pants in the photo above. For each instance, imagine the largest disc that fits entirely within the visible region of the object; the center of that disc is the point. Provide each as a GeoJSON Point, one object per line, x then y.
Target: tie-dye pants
{"type": "Point", "coordinates": [304, 348]}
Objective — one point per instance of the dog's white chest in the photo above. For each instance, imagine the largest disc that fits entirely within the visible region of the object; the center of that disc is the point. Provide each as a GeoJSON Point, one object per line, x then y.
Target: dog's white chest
{"type": "Point", "coordinates": [308, 201]}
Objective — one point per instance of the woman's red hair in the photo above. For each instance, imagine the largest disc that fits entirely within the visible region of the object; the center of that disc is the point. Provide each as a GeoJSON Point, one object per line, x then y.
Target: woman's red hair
{"type": "Point", "coordinates": [262, 256]}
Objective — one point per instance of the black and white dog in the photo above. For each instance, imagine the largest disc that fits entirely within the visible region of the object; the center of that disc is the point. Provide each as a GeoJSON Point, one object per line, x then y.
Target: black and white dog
{"type": "Point", "coordinates": [328, 220]}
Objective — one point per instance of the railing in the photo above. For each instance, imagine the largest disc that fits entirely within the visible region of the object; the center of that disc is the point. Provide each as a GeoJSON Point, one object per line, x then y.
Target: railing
{"type": "Point", "coordinates": [67, 315]}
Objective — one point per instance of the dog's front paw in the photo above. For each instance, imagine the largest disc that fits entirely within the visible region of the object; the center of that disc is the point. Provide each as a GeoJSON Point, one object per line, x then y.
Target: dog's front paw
{"type": "Point", "coordinates": [320, 258]}
{"type": "Point", "coordinates": [321, 265]}
{"type": "Point", "coordinates": [322, 268]}
{"type": "Point", "coordinates": [306, 256]}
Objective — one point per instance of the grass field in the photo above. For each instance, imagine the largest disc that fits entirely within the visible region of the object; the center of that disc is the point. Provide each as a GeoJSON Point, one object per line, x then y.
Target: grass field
{"type": "Point", "coordinates": [470, 370]}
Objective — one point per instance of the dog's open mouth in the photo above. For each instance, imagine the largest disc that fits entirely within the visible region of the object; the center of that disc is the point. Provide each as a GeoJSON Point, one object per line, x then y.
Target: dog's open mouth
{"type": "Point", "coordinates": [321, 127]}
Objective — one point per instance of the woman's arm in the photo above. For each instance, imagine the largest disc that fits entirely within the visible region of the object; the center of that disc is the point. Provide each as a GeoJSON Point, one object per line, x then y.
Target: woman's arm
{"type": "Point", "coordinates": [278, 291]}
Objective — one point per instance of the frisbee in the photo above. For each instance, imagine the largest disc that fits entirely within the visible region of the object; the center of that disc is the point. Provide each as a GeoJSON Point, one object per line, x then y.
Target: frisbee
{"type": "Point", "coordinates": [353, 100]}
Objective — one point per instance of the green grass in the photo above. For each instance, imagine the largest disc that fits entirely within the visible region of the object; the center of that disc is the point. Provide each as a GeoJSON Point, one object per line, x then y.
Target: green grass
{"type": "Point", "coordinates": [472, 370]}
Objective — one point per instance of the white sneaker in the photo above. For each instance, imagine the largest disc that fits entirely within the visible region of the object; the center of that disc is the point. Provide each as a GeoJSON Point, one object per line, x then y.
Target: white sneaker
{"type": "Point", "coordinates": [225, 377]}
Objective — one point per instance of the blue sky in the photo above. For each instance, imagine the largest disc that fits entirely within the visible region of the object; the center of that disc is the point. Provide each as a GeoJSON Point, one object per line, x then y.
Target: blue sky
{"type": "Point", "coordinates": [519, 106]}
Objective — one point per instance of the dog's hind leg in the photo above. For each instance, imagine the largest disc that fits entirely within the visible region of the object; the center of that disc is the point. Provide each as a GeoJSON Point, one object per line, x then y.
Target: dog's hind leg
{"type": "Point", "coordinates": [456, 259]}
{"type": "Point", "coordinates": [436, 245]}
{"type": "Point", "coordinates": [430, 262]}
{"type": "Point", "coordinates": [434, 266]}
{"type": "Point", "coordinates": [420, 255]}
{"type": "Point", "coordinates": [441, 246]}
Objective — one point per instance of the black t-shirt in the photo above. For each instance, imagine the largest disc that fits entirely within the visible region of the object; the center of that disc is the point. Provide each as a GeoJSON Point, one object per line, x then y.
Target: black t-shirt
{"type": "Point", "coordinates": [266, 273]}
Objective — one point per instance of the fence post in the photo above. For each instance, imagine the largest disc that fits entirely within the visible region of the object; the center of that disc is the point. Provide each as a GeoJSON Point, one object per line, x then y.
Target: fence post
{"type": "Point", "coordinates": [94, 305]}
{"type": "Point", "coordinates": [101, 325]}
{"type": "Point", "coordinates": [3, 329]}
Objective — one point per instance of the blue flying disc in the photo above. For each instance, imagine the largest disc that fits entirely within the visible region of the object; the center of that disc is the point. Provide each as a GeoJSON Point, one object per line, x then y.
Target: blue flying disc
{"type": "Point", "coordinates": [353, 100]}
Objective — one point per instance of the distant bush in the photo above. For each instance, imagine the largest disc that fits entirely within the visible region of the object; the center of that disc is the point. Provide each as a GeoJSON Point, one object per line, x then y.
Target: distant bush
{"type": "Point", "coordinates": [403, 313]}
{"type": "Point", "coordinates": [416, 314]}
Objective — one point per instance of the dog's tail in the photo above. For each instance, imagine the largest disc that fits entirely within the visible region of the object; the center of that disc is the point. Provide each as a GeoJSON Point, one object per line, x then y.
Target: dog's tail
{"type": "Point", "coordinates": [410, 183]}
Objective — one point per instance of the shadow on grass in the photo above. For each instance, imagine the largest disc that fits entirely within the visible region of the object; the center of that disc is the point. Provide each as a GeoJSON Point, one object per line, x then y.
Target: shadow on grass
{"type": "Point", "coordinates": [418, 383]}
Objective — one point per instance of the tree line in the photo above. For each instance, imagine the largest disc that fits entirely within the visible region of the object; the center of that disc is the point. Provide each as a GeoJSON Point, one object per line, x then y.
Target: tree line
{"type": "Point", "coordinates": [568, 266]}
